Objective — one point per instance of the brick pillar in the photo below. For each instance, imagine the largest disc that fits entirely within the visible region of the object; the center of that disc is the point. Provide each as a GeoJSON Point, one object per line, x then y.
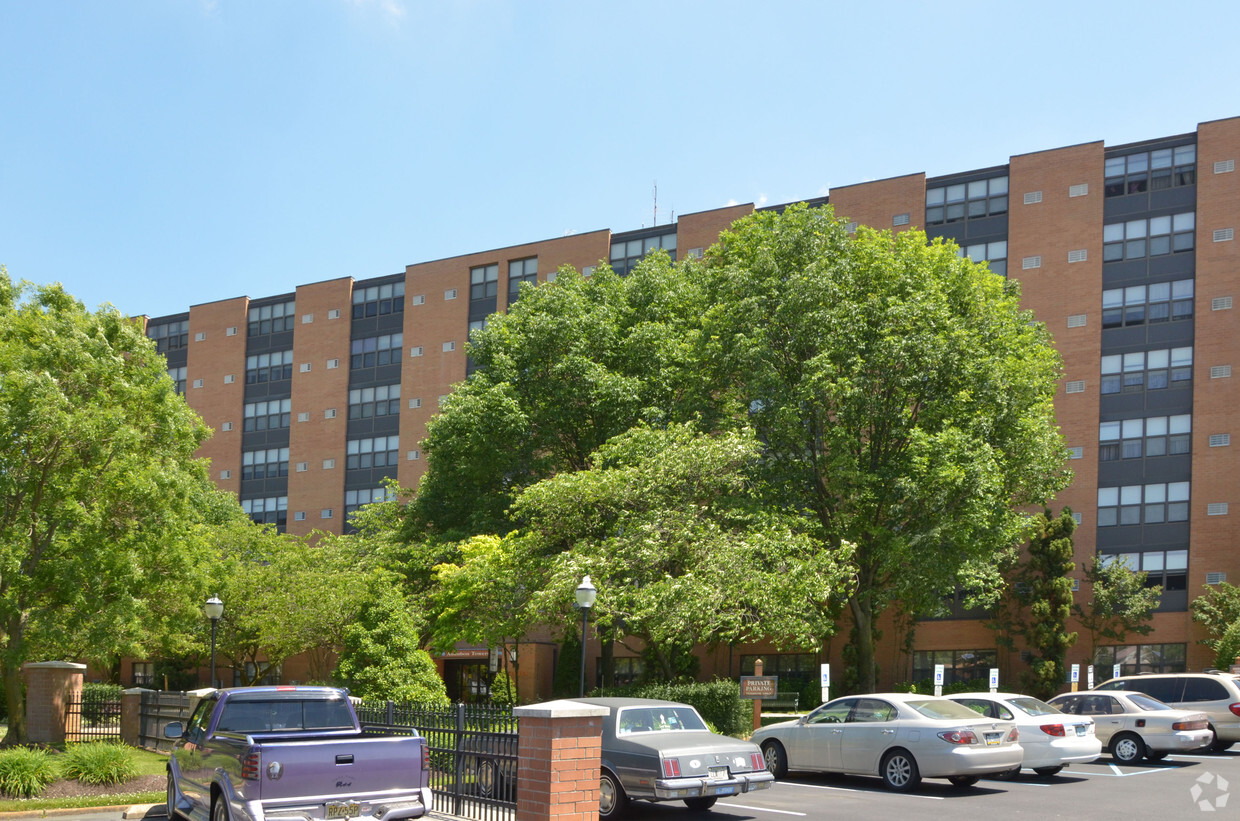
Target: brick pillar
{"type": "Point", "coordinates": [50, 687]}
{"type": "Point", "coordinates": [131, 716]}
{"type": "Point", "coordinates": [558, 763]}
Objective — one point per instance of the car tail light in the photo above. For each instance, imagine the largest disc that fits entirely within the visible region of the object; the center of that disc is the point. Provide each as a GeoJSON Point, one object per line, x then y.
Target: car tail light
{"type": "Point", "coordinates": [1195, 724]}
{"type": "Point", "coordinates": [1235, 708]}
{"type": "Point", "coordinates": [958, 737]}
{"type": "Point", "coordinates": [1053, 729]}
{"type": "Point", "coordinates": [1014, 736]}
{"type": "Point", "coordinates": [250, 765]}
{"type": "Point", "coordinates": [671, 767]}
{"type": "Point", "coordinates": [757, 761]}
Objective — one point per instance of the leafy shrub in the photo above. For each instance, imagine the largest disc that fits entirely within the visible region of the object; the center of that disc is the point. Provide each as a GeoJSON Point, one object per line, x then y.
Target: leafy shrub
{"type": "Point", "coordinates": [99, 763]}
{"type": "Point", "coordinates": [503, 690]}
{"type": "Point", "coordinates": [925, 687]}
{"type": "Point", "coordinates": [101, 702]}
{"type": "Point", "coordinates": [25, 772]}
{"type": "Point", "coordinates": [718, 701]}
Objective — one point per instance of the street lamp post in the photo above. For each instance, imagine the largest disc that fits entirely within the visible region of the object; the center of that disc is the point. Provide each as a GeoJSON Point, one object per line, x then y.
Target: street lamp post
{"type": "Point", "coordinates": [586, 593]}
{"type": "Point", "coordinates": [214, 608]}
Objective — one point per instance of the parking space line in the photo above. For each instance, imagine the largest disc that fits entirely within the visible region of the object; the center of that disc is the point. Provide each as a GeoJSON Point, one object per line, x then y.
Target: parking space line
{"type": "Point", "coordinates": [759, 809]}
{"type": "Point", "coordinates": [1119, 774]}
{"type": "Point", "coordinates": [851, 789]}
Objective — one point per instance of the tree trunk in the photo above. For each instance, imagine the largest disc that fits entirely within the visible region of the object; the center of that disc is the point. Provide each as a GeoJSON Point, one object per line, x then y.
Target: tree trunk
{"type": "Point", "coordinates": [863, 620]}
{"type": "Point", "coordinates": [14, 691]}
{"type": "Point", "coordinates": [609, 659]}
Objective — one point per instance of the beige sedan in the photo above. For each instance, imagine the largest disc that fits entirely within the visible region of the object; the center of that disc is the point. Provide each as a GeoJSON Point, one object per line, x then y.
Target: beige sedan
{"type": "Point", "coordinates": [1135, 726]}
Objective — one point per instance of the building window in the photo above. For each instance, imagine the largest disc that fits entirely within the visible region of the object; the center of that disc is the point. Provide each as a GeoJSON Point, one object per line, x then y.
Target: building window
{"type": "Point", "coordinates": [334, 313]}
{"type": "Point", "coordinates": [382, 400]}
{"type": "Point", "coordinates": [201, 336]}
{"type": "Point", "coordinates": [270, 674]}
{"type": "Point", "coordinates": [229, 378]}
{"type": "Point", "coordinates": [1142, 658]}
{"type": "Point", "coordinates": [268, 367]}
{"type": "Point", "coordinates": [327, 513]}
{"type": "Point", "coordinates": [269, 415]}
{"type": "Point", "coordinates": [307, 319]}
{"type": "Point", "coordinates": [958, 665]}
{"type": "Point", "coordinates": [962, 201]}
{"type": "Point", "coordinates": [355, 499]}
{"type": "Point", "coordinates": [264, 464]}
{"type": "Point", "coordinates": [271, 319]}
{"type": "Point", "coordinates": [231, 330]}
{"type": "Point", "coordinates": [299, 516]}
{"type": "Point", "coordinates": [1151, 171]}
{"type": "Point", "coordinates": [1147, 370]}
{"type": "Point", "coordinates": [484, 281]}
{"type": "Point", "coordinates": [1138, 438]}
{"type": "Point", "coordinates": [519, 271]}
{"type": "Point", "coordinates": [1153, 237]}
{"type": "Point", "coordinates": [379, 300]}
{"type": "Point", "coordinates": [628, 670]}
{"type": "Point", "coordinates": [170, 336]}
{"type": "Point", "coordinates": [178, 378]}
{"type": "Point", "coordinates": [1138, 304]}
{"type": "Point", "coordinates": [271, 510]}
{"type": "Point", "coordinates": [625, 254]}
{"type": "Point", "coordinates": [375, 350]}
{"type": "Point", "coordinates": [197, 383]}
{"type": "Point", "coordinates": [1143, 504]}
{"type": "Point", "coordinates": [143, 673]}
{"type": "Point", "coordinates": [226, 426]}
{"type": "Point", "coordinates": [225, 474]}
{"type": "Point", "coordinates": [449, 347]}
{"type": "Point", "coordinates": [994, 253]}
{"type": "Point", "coordinates": [379, 452]}
{"type": "Point", "coordinates": [329, 464]}
{"type": "Point", "coordinates": [1167, 569]}
{"type": "Point", "coordinates": [793, 669]}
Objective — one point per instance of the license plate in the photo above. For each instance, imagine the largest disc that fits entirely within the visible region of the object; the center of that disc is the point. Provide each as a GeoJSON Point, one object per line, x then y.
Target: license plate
{"type": "Point", "coordinates": [343, 809]}
{"type": "Point", "coordinates": [1081, 729]}
{"type": "Point", "coordinates": [728, 790]}
{"type": "Point", "coordinates": [718, 773]}
{"type": "Point", "coordinates": [993, 739]}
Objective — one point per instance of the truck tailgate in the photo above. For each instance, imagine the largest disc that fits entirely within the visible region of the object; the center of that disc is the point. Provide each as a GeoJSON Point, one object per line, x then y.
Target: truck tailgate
{"type": "Point", "coordinates": [357, 768]}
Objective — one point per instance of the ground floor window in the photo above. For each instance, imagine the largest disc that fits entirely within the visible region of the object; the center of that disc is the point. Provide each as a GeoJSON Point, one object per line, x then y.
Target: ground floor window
{"type": "Point", "coordinates": [270, 674]}
{"type": "Point", "coordinates": [790, 667]}
{"type": "Point", "coordinates": [143, 673]}
{"type": "Point", "coordinates": [629, 670]}
{"type": "Point", "coordinates": [958, 665]}
{"type": "Point", "coordinates": [1141, 658]}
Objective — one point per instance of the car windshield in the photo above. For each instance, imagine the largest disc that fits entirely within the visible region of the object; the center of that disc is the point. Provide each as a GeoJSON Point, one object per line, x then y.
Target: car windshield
{"type": "Point", "coordinates": [942, 708]}
{"type": "Point", "coordinates": [1033, 706]}
{"type": "Point", "coordinates": [1147, 703]}
{"type": "Point", "coordinates": [668, 718]}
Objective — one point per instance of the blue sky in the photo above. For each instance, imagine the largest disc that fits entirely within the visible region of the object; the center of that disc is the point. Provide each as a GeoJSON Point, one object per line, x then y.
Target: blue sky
{"type": "Point", "coordinates": [162, 153]}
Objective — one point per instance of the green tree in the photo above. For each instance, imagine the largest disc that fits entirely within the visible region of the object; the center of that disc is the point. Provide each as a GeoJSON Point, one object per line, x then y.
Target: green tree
{"type": "Point", "coordinates": [98, 482]}
{"type": "Point", "coordinates": [681, 551]}
{"type": "Point", "coordinates": [1218, 611]}
{"type": "Point", "coordinates": [1120, 603]}
{"type": "Point", "coordinates": [1044, 591]}
{"type": "Point", "coordinates": [904, 399]}
{"type": "Point", "coordinates": [381, 658]}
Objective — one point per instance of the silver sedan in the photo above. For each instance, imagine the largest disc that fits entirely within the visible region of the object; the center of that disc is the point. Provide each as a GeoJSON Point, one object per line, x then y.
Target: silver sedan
{"type": "Point", "coordinates": [899, 737]}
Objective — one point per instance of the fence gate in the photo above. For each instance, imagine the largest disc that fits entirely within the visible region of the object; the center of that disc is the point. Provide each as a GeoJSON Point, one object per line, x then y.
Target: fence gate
{"type": "Point", "coordinates": [92, 717]}
{"type": "Point", "coordinates": [472, 751]}
{"type": "Point", "coordinates": [156, 710]}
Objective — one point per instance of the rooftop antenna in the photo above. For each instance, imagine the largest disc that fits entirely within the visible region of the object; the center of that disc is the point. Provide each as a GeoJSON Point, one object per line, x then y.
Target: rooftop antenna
{"type": "Point", "coordinates": [656, 202]}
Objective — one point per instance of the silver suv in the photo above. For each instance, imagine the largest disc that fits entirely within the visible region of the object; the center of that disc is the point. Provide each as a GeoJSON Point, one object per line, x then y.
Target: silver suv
{"type": "Point", "coordinates": [1215, 694]}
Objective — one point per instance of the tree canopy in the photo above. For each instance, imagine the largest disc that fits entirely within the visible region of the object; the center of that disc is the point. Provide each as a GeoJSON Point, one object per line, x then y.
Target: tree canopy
{"type": "Point", "coordinates": [98, 482]}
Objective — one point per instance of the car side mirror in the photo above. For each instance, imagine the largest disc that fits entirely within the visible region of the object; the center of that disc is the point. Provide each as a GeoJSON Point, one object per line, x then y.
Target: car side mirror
{"type": "Point", "coordinates": [174, 730]}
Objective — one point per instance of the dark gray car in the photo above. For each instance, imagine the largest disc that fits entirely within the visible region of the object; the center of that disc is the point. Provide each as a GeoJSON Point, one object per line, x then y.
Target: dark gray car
{"type": "Point", "coordinates": [662, 751]}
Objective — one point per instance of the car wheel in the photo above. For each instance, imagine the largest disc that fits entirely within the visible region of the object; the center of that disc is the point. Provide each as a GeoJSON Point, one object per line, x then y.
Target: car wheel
{"type": "Point", "coordinates": [700, 803]}
{"type": "Point", "coordinates": [219, 809]}
{"type": "Point", "coordinates": [612, 802]}
{"type": "Point", "coordinates": [1127, 748]}
{"type": "Point", "coordinates": [963, 780]}
{"type": "Point", "coordinates": [173, 815]}
{"type": "Point", "coordinates": [776, 759]}
{"type": "Point", "coordinates": [1155, 755]}
{"type": "Point", "coordinates": [1218, 745]}
{"type": "Point", "coordinates": [1007, 775]}
{"type": "Point", "coordinates": [899, 771]}
{"type": "Point", "coordinates": [486, 779]}
{"type": "Point", "coordinates": [1046, 771]}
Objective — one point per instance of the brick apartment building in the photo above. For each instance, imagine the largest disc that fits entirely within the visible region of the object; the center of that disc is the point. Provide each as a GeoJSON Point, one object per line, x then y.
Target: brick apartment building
{"type": "Point", "coordinates": [1126, 252]}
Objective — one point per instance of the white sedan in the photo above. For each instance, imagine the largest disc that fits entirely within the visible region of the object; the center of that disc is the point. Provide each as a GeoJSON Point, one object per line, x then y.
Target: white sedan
{"type": "Point", "coordinates": [1050, 738]}
{"type": "Point", "coordinates": [1135, 726]}
{"type": "Point", "coordinates": [899, 737]}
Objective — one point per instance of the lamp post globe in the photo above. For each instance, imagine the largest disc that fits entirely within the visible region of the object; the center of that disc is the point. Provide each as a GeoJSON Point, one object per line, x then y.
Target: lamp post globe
{"type": "Point", "coordinates": [585, 594]}
{"type": "Point", "coordinates": [214, 609]}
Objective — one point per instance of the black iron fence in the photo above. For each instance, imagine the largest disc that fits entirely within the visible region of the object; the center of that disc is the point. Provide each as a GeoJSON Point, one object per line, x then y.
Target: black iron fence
{"type": "Point", "coordinates": [472, 751]}
{"type": "Point", "coordinates": [93, 717]}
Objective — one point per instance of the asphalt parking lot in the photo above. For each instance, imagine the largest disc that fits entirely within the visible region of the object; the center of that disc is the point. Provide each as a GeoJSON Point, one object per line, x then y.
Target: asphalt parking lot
{"type": "Point", "coordinates": [1180, 786]}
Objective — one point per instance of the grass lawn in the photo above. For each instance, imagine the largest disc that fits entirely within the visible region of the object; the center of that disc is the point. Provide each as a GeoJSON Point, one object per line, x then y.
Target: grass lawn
{"type": "Point", "coordinates": [146, 763]}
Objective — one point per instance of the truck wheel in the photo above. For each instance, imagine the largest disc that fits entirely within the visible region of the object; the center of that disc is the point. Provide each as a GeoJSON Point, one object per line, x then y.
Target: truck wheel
{"type": "Point", "coordinates": [173, 815]}
{"type": "Point", "coordinates": [219, 809]}
{"type": "Point", "coordinates": [612, 802]}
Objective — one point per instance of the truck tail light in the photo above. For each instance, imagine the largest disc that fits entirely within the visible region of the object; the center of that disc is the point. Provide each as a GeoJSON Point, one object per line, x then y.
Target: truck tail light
{"type": "Point", "coordinates": [958, 737]}
{"type": "Point", "coordinates": [1053, 729]}
{"type": "Point", "coordinates": [250, 765]}
{"type": "Point", "coordinates": [671, 768]}
{"type": "Point", "coordinates": [757, 761]}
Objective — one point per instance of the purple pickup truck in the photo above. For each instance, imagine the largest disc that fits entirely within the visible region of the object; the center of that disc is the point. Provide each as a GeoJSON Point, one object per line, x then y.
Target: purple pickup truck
{"type": "Point", "coordinates": [291, 753]}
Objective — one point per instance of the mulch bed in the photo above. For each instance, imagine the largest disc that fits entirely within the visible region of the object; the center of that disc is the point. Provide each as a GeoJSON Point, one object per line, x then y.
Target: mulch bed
{"type": "Point", "coordinates": [74, 789]}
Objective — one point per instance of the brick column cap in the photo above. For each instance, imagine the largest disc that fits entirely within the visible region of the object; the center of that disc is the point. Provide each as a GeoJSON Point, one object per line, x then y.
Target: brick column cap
{"type": "Point", "coordinates": [134, 690]}
{"type": "Point", "coordinates": [560, 708]}
{"type": "Point", "coordinates": [53, 665]}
